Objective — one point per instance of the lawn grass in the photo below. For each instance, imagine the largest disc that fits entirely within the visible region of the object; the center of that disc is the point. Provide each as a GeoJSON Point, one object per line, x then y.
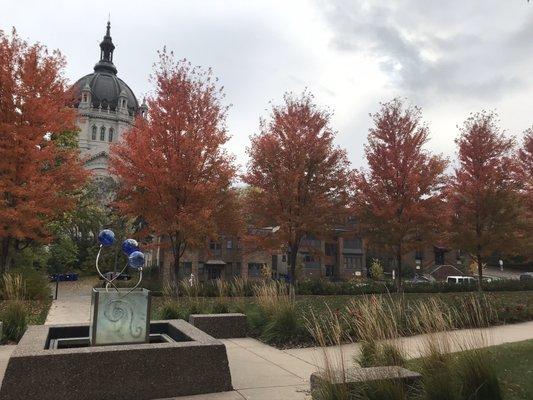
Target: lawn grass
{"type": "Point", "coordinates": [514, 364]}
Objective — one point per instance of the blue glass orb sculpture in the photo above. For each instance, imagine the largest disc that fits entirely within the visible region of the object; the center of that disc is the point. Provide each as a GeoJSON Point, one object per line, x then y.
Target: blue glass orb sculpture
{"type": "Point", "coordinates": [106, 237]}
{"type": "Point", "coordinates": [129, 246]}
{"type": "Point", "coordinates": [136, 259]}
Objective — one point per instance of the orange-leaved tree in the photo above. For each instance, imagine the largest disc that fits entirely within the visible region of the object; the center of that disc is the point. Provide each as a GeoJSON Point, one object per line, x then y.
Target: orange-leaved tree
{"type": "Point", "coordinates": [399, 200]}
{"type": "Point", "coordinates": [525, 157]}
{"type": "Point", "coordinates": [37, 173]}
{"type": "Point", "coordinates": [173, 171]}
{"type": "Point", "coordinates": [484, 191]}
{"type": "Point", "coordinates": [299, 179]}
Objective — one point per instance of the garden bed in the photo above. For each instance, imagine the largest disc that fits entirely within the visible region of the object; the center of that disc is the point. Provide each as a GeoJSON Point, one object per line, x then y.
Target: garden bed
{"type": "Point", "coordinates": [289, 329]}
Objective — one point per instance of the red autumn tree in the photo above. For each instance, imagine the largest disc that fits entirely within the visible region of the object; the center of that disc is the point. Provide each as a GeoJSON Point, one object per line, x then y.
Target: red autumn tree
{"type": "Point", "coordinates": [483, 194]}
{"type": "Point", "coordinates": [298, 177]}
{"type": "Point", "coordinates": [525, 156]}
{"type": "Point", "coordinates": [173, 171]}
{"type": "Point", "coordinates": [399, 199]}
{"type": "Point", "coordinates": [37, 173]}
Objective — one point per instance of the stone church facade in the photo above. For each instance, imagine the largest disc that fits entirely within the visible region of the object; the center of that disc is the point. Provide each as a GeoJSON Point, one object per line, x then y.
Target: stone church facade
{"type": "Point", "coordinates": [106, 108]}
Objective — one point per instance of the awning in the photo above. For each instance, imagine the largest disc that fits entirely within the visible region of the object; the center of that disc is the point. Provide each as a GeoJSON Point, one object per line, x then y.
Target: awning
{"type": "Point", "coordinates": [215, 262]}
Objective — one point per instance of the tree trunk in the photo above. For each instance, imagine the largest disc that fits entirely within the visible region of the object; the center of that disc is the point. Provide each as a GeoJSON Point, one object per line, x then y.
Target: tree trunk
{"type": "Point", "coordinates": [399, 269]}
{"type": "Point", "coordinates": [292, 263]}
{"type": "Point", "coordinates": [4, 259]}
{"type": "Point", "coordinates": [480, 272]}
{"type": "Point", "coordinates": [176, 268]}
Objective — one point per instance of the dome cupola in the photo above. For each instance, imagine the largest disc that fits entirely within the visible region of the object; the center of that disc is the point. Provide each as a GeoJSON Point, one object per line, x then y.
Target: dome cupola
{"type": "Point", "coordinates": [107, 90]}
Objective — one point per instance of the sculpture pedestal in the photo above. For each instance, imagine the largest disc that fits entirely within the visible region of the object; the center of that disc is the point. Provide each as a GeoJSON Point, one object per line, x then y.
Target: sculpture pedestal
{"type": "Point", "coordinates": [119, 317]}
{"type": "Point", "coordinates": [191, 363]}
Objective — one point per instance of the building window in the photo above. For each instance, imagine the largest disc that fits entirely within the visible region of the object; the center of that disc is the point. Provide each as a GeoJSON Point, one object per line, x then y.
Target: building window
{"type": "Point", "coordinates": [310, 261]}
{"type": "Point", "coordinates": [329, 271]}
{"type": "Point", "coordinates": [186, 269]}
{"type": "Point", "coordinates": [419, 254]}
{"type": "Point", "coordinates": [353, 243]}
{"type": "Point", "coordinates": [214, 245]}
{"type": "Point", "coordinates": [353, 262]}
{"type": "Point", "coordinates": [111, 131]}
{"type": "Point", "coordinates": [84, 97]}
{"type": "Point", "coordinates": [229, 244]}
{"type": "Point", "coordinates": [102, 133]}
{"type": "Point", "coordinates": [330, 249]}
{"type": "Point", "coordinates": [254, 270]}
{"type": "Point", "coordinates": [93, 135]}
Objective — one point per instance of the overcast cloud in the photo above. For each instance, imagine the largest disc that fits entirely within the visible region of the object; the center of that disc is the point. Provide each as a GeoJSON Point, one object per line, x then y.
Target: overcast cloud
{"type": "Point", "coordinates": [451, 58]}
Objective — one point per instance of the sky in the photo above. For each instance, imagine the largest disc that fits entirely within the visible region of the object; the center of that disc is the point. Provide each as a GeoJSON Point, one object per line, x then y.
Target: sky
{"type": "Point", "coordinates": [451, 58]}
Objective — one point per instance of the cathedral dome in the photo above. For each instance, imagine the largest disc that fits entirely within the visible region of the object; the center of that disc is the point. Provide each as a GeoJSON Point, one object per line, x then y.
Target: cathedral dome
{"type": "Point", "coordinates": [104, 84]}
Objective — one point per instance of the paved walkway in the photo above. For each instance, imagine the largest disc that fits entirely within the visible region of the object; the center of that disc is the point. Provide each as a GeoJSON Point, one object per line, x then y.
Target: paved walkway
{"type": "Point", "coordinates": [73, 303]}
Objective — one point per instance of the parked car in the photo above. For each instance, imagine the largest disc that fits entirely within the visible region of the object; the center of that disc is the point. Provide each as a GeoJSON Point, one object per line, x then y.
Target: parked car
{"type": "Point", "coordinates": [526, 276]}
{"type": "Point", "coordinates": [69, 276]}
{"type": "Point", "coordinates": [121, 277]}
{"type": "Point", "coordinates": [420, 279]}
{"type": "Point", "coordinates": [460, 279]}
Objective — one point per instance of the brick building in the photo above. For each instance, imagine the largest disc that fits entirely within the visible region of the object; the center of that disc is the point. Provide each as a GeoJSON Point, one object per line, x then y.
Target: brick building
{"type": "Point", "coordinates": [341, 256]}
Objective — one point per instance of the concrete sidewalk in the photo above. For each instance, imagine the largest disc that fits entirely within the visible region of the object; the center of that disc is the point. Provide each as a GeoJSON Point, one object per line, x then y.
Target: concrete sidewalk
{"type": "Point", "coordinates": [73, 302]}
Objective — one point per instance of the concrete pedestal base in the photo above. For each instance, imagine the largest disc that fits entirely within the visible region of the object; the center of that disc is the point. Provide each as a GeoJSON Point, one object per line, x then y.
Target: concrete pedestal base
{"type": "Point", "coordinates": [358, 378]}
{"type": "Point", "coordinates": [193, 363]}
{"type": "Point", "coordinates": [220, 326]}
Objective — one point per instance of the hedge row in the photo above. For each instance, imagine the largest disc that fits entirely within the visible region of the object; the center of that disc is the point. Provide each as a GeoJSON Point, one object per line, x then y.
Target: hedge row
{"type": "Point", "coordinates": [325, 287]}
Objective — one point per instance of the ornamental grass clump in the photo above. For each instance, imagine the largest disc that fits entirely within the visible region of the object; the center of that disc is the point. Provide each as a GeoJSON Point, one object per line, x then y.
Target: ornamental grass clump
{"type": "Point", "coordinates": [12, 287]}
{"type": "Point", "coordinates": [15, 320]}
{"type": "Point", "coordinates": [330, 331]}
{"type": "Point", "coordinates": [377, 324]}
{"type": "Point", "coordinates": [431, 319]}
{"type": "Point", "coordinates": [468, 374]}
{"type": "Point", "coordinates": [276, 315]}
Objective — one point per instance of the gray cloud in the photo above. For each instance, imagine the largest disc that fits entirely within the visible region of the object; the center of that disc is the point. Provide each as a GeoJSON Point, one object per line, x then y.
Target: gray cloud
{"type": "Point", "coordinates": [433, 50]}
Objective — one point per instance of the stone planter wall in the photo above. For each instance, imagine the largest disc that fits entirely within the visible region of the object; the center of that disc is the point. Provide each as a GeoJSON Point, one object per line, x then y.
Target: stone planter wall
{"type": "Point", "coordinates": [220, 326]}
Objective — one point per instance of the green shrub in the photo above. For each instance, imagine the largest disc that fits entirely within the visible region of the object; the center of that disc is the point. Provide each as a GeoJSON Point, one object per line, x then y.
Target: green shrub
{"type": "Point", "coordinates": [256, 319]}
{"type": "Point", "coordinates": [477, 377]}
{"type": "Point", "coordinates": [379, 354]}
{"type": "Point", "coordinates": [220, 307]}
{"type": "Point", "coordinates": [367, 357]}
{"type": "Point", "coordinates": [171, 310]}
{"type": "Point", "coordinates": [15, 321]}
{"type": "Point", "coordinates": [438, 377]}
{"type": "Point", "coordinates": [24, 283]}
{"type": "Point", "coordinates": [283, 327]}
{"type": "Point", "coordinates": [376, 270]}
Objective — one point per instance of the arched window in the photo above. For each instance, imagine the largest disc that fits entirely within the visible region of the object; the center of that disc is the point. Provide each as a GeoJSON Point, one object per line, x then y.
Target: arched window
{"type": "Point", "coordinates": [111, 131]}
{"type": "Point", "coordinates": [102, 133]}
{"type": "Point", "coordinates": [93, 135]}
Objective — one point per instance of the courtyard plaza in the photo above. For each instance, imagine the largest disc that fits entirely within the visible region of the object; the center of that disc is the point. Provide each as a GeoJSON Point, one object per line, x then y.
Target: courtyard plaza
{"type": "Point", "coordinates": [260, 371]}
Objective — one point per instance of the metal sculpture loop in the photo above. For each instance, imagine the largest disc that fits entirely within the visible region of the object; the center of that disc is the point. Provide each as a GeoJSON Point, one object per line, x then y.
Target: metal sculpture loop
{"type": "Point", "coordinates": [130, 248]}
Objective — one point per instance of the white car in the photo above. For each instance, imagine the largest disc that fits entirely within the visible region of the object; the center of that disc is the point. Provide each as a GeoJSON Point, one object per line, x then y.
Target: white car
{"type": "Point", "coordinates": [460, 279]}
